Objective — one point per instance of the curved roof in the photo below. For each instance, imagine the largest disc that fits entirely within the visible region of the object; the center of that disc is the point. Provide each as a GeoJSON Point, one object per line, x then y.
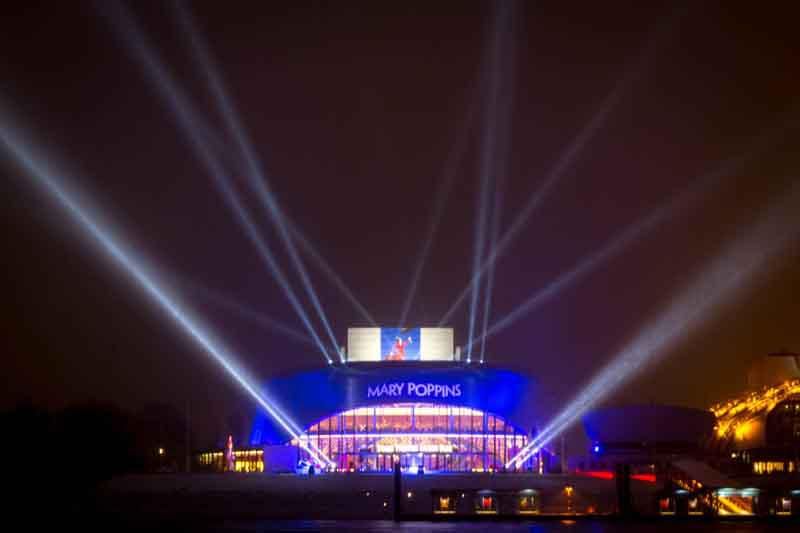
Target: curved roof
{"type": "Point", "coordinates": [308, 397]}
{"type": "Point", "coordinates": [648, 423]}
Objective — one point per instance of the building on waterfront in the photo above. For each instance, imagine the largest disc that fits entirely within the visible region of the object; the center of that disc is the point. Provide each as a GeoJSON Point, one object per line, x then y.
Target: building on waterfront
{"type": "Point", "coordinates": [760, 430]}
{"type": "Point", "coordinates": [756, 433]}
{"type": "Point", "coordinates": [403, 395]}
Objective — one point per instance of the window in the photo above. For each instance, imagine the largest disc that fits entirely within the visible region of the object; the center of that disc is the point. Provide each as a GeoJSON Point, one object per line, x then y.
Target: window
{"type": "Point", "coordinates": [437, 437]}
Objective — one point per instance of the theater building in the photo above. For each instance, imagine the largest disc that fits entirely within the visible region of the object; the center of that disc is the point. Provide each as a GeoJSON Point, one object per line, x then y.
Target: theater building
{"type": "Point", "coordinates": [404, 396]}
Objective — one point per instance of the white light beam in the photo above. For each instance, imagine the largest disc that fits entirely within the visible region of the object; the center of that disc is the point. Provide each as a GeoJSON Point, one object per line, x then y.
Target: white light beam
{"type": "Point", "coordinates": [254, 172]}
{"type": "Point", "coordinates": [562, 164]}
{"type": "Point", "coordinates": [191, 126]}
{"type": "Point", "coordinates": [730, 273]}
{"type": "Point", "coordinates": [40, 172]}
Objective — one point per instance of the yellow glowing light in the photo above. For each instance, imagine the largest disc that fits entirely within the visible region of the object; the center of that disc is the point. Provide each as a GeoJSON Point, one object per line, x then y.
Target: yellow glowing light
{"type": "Point", "coordinates": [734, 416]}
{"type": "Point", "coordinates": [744, 430]}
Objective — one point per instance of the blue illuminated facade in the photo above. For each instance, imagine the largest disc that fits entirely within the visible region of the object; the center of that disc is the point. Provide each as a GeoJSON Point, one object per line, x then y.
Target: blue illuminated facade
{"type": "Point", "coordinates": [442, 416]}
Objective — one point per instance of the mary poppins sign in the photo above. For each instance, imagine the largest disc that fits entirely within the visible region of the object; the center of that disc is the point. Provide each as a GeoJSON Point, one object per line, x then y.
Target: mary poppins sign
{"type": "Point", "coordinates": [414, 390]}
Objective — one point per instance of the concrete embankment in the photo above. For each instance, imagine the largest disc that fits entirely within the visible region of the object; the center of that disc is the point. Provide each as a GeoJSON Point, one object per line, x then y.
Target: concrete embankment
{"type": "Point", "coordinates": [357, 496]}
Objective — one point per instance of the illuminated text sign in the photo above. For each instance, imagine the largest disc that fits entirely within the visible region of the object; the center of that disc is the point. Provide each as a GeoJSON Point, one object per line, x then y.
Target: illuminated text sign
{"type": "Point", "coordinates": [418, 390]}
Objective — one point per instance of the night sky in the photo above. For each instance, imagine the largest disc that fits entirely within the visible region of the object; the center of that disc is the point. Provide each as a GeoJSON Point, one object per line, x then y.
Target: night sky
{"type": "Point", "coordinates": [354, 108]}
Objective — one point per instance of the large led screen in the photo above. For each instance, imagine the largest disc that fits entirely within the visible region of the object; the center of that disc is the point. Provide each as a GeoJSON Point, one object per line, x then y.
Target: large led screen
{"type": "Point", "coordinates": [399, 344]}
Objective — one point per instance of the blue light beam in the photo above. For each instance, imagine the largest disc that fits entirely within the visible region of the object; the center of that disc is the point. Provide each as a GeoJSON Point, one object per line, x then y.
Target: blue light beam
{"type": "Point", "coordinates": [191, 125]}
{"type": "Point", "coordinates": [255, 175]}
{"type": "Point", "coordinates": [145, 278]}
{"type": "Point", "coordinates": [730, 273]}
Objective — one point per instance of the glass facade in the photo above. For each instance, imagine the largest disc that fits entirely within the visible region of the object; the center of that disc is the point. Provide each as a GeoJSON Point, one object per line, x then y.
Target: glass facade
{"type": "Point", "coordinates": [437, 438]}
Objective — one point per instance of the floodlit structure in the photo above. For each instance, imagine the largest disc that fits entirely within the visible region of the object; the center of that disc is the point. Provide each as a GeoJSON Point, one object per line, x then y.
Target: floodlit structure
{"type": "Point", "coordinates": [761, 428]}
{"type": "Point", "coordinates": [405, 397]}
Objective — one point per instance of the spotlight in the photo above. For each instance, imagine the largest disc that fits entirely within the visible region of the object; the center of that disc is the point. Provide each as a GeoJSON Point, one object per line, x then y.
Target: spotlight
{"type": "Point", "coordinates": [679, 202]}
{"type": "Point", "coordinates": [442, 194]}
{"type": "Point", "coordinates": [41, 172]}
{"type": "Point", "coordinates": [487, 299]}
{"type": "Point", "coordinates": [488, 173]}
{"type": "Point", "coordinates": [623, 240]}
{"type": "Point", "coordinates": [261, 319]}
{"type": "Point", "coordinates": [730, 272]}
{"type": "Point", "coordinates": [565, 161]}
{"type": "Point", "coordinates": [192, 126]}
{"type": "Point", "coordinates": [498, 151]}
{"type": "Point", "coordinates": [254, 172]}
{"type": "Point", "coordinates": [326, 269]}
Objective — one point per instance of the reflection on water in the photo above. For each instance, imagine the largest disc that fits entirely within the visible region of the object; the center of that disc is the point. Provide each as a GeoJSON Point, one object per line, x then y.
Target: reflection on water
{"type": "Point", "coordinates": [566, 526]}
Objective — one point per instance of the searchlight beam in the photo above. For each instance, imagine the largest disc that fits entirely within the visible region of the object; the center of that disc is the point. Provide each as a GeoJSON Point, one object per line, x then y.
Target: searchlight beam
{"type": "Point", "coordinates": [504, 61]}
{"type": "Point", "coordinates": [254, 173]}
{"type": "Point", "coordinates": [570, 154]}
{"type": "Point", "coordinates": [632, 234]}
{"type": "Point", "coordinates": [725, 277]}
{"type": "Point", "coordinates": [503, 13]}
{"type": "Point", "coordinates": [227, 302]}
{"type": "Point", "coordinates": [40, 171]}
{"type": "Point", "coordinates": [189, 122]}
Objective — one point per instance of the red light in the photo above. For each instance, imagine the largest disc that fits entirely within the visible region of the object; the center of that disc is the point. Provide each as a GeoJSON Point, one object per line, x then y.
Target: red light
{"type": "Point", "coordinates": [604, 474]}
{"type": "Point", "coordinates": [597, 474]}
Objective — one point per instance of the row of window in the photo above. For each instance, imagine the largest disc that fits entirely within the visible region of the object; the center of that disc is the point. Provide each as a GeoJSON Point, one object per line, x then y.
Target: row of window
{"type": "Point", "coordinates": [430, 436]}
{"type": "Point", "coordinates": [769, 467]}
{"type": "Point", "coordinates": [411, 417]}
